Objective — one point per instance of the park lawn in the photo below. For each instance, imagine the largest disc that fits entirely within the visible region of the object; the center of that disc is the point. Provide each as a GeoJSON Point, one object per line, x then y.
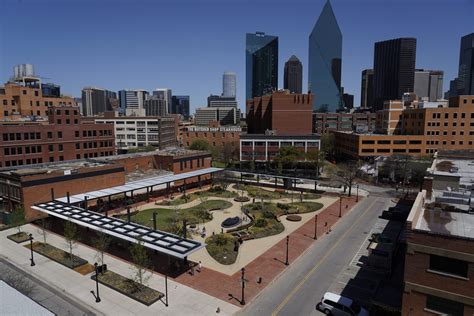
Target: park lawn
{"type": "Point", "coordinates": [191, 197]}
{"type": "Point", "coordinates": [193, 215]}
{"type": "Point", "coordinates": [221, 248]}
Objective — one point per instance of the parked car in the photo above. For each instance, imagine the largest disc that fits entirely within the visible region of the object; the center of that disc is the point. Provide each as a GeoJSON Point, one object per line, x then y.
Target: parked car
{"type": "Point", "coordinates": [299, 181]}
{"type": "Point", "coordinates": [334, 304]}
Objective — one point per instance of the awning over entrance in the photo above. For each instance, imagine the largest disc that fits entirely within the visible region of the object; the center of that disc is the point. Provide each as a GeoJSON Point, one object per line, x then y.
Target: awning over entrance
{"type": "Point", "coordinates": [153, 239]}
{"type": "Point", "coordinates": [137, 185]}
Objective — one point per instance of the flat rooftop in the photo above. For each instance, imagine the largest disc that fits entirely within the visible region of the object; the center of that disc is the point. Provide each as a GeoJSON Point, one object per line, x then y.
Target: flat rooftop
{"type": "Point", "coordinates": [446, 223]}
{"type": "Point", "coordinates": [462, 168]}
{"type": "Point", "coordinates": [172, 151]}
{"type": "Point", "coordinates": [263, 136]}
{"type": "Point", "coordinates": [53, 166]}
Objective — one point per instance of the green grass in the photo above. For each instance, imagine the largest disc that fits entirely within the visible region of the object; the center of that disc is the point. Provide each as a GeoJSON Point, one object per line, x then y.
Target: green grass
{"type": "Point", "coordinates": [213, 192]}
{"type": "Point", "coordinates": [221, 248]}
{"type": "Point", "coordinates": [218, 164]}
{"type": "Point", "coordinates": [266, 223]}
{"type": "Point", "coordinates": [167, 217]}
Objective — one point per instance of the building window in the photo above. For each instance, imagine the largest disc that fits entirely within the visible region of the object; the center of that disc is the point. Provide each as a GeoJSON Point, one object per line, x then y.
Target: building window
{"type": "Point", "coordinates": [444, 306]}
{"type": "Point", "coordinates": [50, 148]}
{"type": "Point", "coordinates": [50, 135]}
{"type": "Point", "coordinates": [60, 134]}
{"type": "Point", "coordinates": [76, 133]}
{"type": "Point", "coordinates": [60, 147]}
{"type": "Point", "coordinates": [449, 265]}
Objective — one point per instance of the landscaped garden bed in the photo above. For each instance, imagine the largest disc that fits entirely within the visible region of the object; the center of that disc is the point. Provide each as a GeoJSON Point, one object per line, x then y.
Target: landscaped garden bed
{"type": "Point", "coordinates": [58, 255]}
{"type": "Point", "coordinates": [241, 199]}
{"type": "Point", "coordinates": [19, 237]}
{"type": "Point", "coordinates": [221, 247]}
{"type": "Point", "coordinates": [257, 192]}
{"type": "Point", "coordinates": [293, 218]}
{"type": "Point", "coordinates": [168, 218]}
{"type": "Point", "coordinates": [215, 191]}
{"type": "Point", "coordinates": [128, 287]}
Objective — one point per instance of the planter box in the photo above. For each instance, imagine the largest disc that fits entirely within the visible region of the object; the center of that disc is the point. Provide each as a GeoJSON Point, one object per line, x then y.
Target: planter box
{"type": "Point", "coordinates": [127, 287]}
{"type": "Point", "coordinates": [58, 255]}
{"type": "Point", "coordinates": [19, 237]}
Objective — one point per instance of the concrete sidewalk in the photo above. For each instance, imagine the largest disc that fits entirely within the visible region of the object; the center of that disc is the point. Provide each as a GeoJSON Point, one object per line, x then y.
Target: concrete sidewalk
{"type": "Point", "coordinates": [183, 300]}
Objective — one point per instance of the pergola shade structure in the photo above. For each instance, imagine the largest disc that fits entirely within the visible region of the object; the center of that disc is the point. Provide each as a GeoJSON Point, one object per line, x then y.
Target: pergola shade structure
{"type": "Point", "coordinates": [137, 185]}
{"type": "Point", "coordinates": [160, 241]}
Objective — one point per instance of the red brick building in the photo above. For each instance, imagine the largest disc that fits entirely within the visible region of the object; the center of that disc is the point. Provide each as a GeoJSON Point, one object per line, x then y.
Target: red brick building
{"type": "Point", "coordinates": [285, 113]}
{"type": "Point", "coordinates": [64, 137]}
{"type": "Point", "coordinates": [439, 261]}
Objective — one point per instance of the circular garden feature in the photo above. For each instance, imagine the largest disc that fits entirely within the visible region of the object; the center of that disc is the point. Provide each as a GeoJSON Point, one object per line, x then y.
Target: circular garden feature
{"type": "Point", "coordinates": [293, 218]}
{"type": "Point", "coordinates": [231, 222]}
{"type": "Point", "coordinates": [241, 199]}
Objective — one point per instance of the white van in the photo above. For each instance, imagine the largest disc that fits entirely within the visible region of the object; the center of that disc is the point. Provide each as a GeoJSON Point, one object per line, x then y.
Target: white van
{"type": "Point", "coordinates": [334, 304]}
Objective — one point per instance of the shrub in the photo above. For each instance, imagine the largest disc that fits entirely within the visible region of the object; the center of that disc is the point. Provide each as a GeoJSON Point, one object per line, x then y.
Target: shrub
{"type": "Point", "coordinates": [220, 239]}
{"type": "Point", "coordinates": [261, 222]}
{"type": "Point", "coordinates": [283, 206]}
{"type": "Point", "coordinates": [268, 214]}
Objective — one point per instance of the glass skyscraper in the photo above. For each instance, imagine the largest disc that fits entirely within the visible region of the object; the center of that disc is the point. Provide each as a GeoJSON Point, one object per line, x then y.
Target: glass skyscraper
{"type": "Point", "coordinates": [325, 59]}
{"type": "Point", "coordinates": [466, 65]}
{"type": "Point", "coordinates": [261, 55]}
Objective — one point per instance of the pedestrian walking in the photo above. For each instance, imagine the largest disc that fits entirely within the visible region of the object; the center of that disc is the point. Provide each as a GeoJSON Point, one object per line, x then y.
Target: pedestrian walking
{"type": "Point", "coordinates": [199, 267]}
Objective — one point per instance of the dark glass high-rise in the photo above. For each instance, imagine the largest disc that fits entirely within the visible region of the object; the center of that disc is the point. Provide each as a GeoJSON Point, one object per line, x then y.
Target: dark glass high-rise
{"type": "Point", "coordinates": [466, 66]}
{"type": "Point", "coordinates": [325, 62]}
{"type": "Point", "coordinates": [261, 56]}
{"type": "Point", "coordinates": [293, 75]}
{"type": "Point", "coordinates": [394, 69]}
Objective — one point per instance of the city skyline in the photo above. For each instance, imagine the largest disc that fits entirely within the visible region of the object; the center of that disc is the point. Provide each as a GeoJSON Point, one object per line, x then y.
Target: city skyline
{"type": "Point", "coordinates": [77, 57]}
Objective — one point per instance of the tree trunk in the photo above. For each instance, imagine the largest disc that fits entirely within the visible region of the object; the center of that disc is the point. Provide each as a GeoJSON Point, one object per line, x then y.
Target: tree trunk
{"type": "Point", "coordinates": [350, 189]}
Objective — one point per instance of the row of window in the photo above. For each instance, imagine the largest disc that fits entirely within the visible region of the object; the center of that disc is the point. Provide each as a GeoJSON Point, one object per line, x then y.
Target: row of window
{"type": "Point", "coordinates": [196, 134]}
{"type": "Point", "coordinates": [388, 142]}
{"type": "Point", "coordinates": [184, 164]}
{"type": "Point", "coordinates": [28, 161]}
{"type": "Point", "coordinates": [455, 114]}
{"type": "Point", "coordinates": [18, 136]}
{"type": "Point", "coordinates": [445, 133]}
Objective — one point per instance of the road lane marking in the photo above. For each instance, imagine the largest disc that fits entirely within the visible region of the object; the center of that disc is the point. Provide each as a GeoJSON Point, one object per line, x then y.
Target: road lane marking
{"type": "Point", "coordinates": [311, 272]}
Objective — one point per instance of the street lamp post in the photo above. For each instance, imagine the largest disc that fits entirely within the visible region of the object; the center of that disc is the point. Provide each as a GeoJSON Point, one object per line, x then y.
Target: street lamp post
{"type": "Point", "coordinates": [97, 297]}
{"type": "Point", "coordinates": [315, 227]}
{"type": "Point", "coordinates": [242, 301]}
{"type": "Point", "coordinates": [357, 195]}
{"type": "Point", "coordinates": [31, 248]}
{"type": "Point", "coordinates": [340, 205]}
{"type": "Point", "coordinates": [287, 242]}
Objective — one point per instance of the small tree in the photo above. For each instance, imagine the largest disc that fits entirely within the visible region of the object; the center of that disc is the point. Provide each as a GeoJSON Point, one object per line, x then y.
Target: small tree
{"type": "Point", "coordinates": [43, 230]}
{"type": "Point", "coordinates": [327, 144]}
{"type": "Point", "coordinates": [70, 234]}
{"type": "Point", "coordinates": [200, 144]}
{"type": "Point", "coordinates": [101, 243]}
{"type": "Point", "coordinates": [17, 218]}
{"type": "Point", "coordinates": [346, 173]}
{"type": "Point", "coordinates": [279, 166]}
{"type": "Point", "coordinates": [141, 262]}
{"type": "Point", "coordinates": [252, 165]}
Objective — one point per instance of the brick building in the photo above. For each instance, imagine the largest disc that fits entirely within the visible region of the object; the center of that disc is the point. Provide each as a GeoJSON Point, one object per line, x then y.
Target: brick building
{"type": "Point", "coordinates": [419, 128]}
{"type": "Point", "coordinates": [214, 134]}
{"type": "Point", "coordinates": [324, 123]}
{"type": "Point", "coordinates": [28, 185]}
{"type": "Point", "coordinates": [439, 261]}
{"type": "Point", "coordinates": [64, 137]}
{"type": "Point", "coordinates": [18, 101]}
{"type": "Point", "coordinates": [285, 113]}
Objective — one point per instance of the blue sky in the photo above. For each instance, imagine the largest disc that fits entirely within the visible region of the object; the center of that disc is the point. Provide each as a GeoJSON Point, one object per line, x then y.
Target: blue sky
{"type": "Point", "coordinates": [186, 45]}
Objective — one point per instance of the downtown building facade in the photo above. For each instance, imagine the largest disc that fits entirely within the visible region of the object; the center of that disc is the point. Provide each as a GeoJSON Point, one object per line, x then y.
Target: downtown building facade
{"type": "Point", "coordinates": [464, 83]}
{"type": "Point", "coordinates": [428, 84]}
{"type": "Point", "coordinates": [324, 123]}
{"type": "Point", "coordinates": [278, 120]}
{"type": "Point", "coordinates": [367, 89]}
{"type": "Point", "coordinates": [97, 101]}
{"type": "Point", "coordinates": [155, 106]}
{"type": "Point", "coordinates": [325, 62]}
{"type": "Point", "coordinates": [229, 84]}
{"type": "Point", "coordinates": [180, 105]}
{"type": "Point", "coordinates": [415, 128]}
{"type": "Point", "coordinates": [141, 131]}
{"type": "Point", "coordinates": [166, 95]}
{"type": "Point", "coordinates": [132, 102]}
{"type": "Point", "coordinates": [293, 75]}
{"type": "Point", "coordinates": [261, 60]}
{"type": "Point", "coordinates": [64, 137]}
{"type": "Point", "coordinates": [394, 70]}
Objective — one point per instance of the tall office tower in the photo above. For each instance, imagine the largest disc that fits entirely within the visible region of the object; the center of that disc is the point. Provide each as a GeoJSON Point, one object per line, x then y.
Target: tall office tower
{"type": "Point", "coordinates": [348, 100]}
{"type": "Point", "coordinates": [164, 94]}
{"type": "Point", "coordinates": [180, 105]}
{"type": "Point", "coordinates": [293, 75]}
{"type": "Point", "coordinates": [132, 100]}
{"type": "Point", "coordinates": [155, 106]}
{"type": "Point", "coordinates": [466, 66]}
{"type": "Point", "coordinates": [96, 100]}
{"type": "Point", "coordinates": [429, 84]}
{"type": "Point", "coordinates": [325, 62]}
{"type": "Point", "coordinates": [261, 58]}
{"type": "Point", "coordinates": [394, 69]}
{"type": "Point", "coordinates": [367, 89]}
{"type": "Point", "coordinates": [229, 84]}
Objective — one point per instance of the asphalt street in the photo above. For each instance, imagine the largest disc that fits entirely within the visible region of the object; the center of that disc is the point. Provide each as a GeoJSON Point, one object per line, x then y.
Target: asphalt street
{"type": "Point", "coordinates": [300, 288]}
